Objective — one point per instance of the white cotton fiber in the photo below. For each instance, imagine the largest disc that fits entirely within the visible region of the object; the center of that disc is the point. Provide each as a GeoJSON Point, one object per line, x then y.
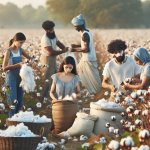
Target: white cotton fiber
{"type": "Point", "coordinates": [27, 76]}
{"type": "Point", "coordinates": [19, 130]}
{"type": "Point", "coordinates": [28, 116]}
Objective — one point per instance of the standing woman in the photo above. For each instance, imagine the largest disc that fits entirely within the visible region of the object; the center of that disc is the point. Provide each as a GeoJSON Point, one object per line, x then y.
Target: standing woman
{"type": "Point", "coordinates": [11, 65]}
{"type": "Point", "coordinates": [66, 81]}
{"type": "Point", "coordinates": [142, 57]}
{"type": "Point", "coordinates": [87, 67]}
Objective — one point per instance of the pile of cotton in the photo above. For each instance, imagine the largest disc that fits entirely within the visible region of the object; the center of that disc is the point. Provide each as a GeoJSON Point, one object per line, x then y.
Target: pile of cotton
{"type": "Point", "coordinates": [19, 130]}
{"type": "Point", "coordinates": [44, 146]}
{"type": "Point", "coordinates": [67, 97]}
{"type": "Point", "coordinates": [28, 116]}
{"type": "Point", "coordinates": [105, 104]}
{"type": "Point", "coordinates": [27, 76]}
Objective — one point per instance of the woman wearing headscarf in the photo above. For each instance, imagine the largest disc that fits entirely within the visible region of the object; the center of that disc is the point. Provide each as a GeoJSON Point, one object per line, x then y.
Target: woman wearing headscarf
{"type": "Point", "coordinates": [142, 57]}
{"type": "Point", "coordinates": [87, 67]}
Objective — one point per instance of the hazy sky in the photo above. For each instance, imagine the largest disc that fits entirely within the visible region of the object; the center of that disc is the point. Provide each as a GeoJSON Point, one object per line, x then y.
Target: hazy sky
{"type": "Point", "coordinates": [21, 3]}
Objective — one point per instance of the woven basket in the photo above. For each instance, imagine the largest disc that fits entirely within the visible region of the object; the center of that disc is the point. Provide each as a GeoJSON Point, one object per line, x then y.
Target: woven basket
{"type": "Point", "coordinates": [42, 129]}
{"type": "Point", "coordinates": [19, 143]}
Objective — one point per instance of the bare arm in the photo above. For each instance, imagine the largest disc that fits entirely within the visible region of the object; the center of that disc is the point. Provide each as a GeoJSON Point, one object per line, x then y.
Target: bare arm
{"type": "Point", "coordinates": [78, 90]}
{"type": "Point", "coordinates": [52, 91]}
{"type": "Point", "coordinates": [52, 52]}
{"type": "Point", "coordinates": [85, 49]}
{"type": "Point", "coordinates": [6, 65]}
{"type": "Point", "coordinates": [75, 45]}
{"type": "Point", "coordinates": [107, 85]}
{"type": "Point", "coordinates": [60, 45]}
{"type": "Point", "coordinates": [138, 86]}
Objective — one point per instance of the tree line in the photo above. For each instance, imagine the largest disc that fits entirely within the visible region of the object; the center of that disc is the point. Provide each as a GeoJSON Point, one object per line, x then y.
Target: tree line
{"type": "Point", "coordinates": [103, 13]}
{"type": "Point", "coordinates": [98, 13]}
{"type": "Point", "coordinates": [11, 16]}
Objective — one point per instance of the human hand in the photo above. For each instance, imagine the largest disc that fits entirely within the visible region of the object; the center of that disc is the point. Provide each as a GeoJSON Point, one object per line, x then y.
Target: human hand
{"type": "Point", "coordinates": [20, 64]}
{"type": "Point", "coordinates": [113, 89]}
{"type": "Point", "coordinates": [65, 49]}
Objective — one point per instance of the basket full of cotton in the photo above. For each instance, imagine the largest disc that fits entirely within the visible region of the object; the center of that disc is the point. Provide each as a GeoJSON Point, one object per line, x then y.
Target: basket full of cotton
{"type": "Point", "coordinates": [18, 137]}
{"type": "Point", "coordinates": [40, 125]}
{"type": "Point", "coordinates": [27, 78]}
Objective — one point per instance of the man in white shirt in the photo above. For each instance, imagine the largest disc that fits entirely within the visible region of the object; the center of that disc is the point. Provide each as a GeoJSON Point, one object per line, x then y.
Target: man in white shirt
{"type": "Point", "coordinates": [119, 67]}
{"type": "Point", "coordinates": [49, 43]}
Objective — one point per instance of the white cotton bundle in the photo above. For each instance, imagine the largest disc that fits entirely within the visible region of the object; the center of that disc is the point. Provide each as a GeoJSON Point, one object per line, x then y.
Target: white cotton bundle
{"type": "Point", "coordinates": [27, 76]}
{"type": "Point", "coordinates": [28, 116]}
{"type": "Point", "coordinates": [19, 130]}
{"type": "Point", "coordinates": [114, 145]}
{"type": "Point", "coordinates": [83, 137]}
{"type": "Point", "coordinates": [128, 141]}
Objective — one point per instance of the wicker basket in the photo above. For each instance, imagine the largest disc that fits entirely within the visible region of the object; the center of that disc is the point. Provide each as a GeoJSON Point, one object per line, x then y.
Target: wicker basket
{"type": "Point", "coordinates": [19, 143]}
{"type": "Point", "coordinates": [42, 129]}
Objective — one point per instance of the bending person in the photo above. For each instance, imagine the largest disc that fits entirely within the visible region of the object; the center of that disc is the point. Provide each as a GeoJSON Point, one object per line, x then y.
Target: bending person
{"type": "Point", "coordinates": [142, 57]}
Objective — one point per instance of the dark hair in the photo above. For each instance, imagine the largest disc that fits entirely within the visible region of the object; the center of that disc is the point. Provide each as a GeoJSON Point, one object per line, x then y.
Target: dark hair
{"type": "Point", "coordinates": [116, 46]}
{"type": "Point", "coordinates": [66, 61]}
{"type": "Point", "coordinates": [46, 25]}
{"type": "Point", "coordinates": [18, 37]}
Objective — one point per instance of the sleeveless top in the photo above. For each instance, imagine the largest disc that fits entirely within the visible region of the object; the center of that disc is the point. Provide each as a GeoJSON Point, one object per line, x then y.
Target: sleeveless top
{"type": "Point", "coordinates": [91, 55]}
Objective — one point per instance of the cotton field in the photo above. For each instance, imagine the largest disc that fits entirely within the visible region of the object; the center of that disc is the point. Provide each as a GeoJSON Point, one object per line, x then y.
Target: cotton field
{"type": "Point", "coordinates": [133, 107]}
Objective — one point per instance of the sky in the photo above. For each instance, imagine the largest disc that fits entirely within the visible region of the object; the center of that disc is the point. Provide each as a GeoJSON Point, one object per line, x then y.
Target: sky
{"type": "Point", "coordinates": [21, 3]}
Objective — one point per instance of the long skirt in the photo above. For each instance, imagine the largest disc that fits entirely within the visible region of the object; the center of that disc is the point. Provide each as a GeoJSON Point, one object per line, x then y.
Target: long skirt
{"type": "Point", "coordinates": [89, 75]}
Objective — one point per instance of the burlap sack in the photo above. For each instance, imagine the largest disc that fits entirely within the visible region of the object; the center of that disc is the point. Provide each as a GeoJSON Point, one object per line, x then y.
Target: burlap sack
{"type": "Point", "coordinates": [104, 116]}
{"type": "Point", "coordinates": [83, 125]}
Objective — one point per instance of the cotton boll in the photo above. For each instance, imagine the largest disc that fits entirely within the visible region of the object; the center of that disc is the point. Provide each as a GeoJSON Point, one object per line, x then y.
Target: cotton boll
{"type": "Point", "coordinates": [85, 145]}
{"type": "Point", "coordinates": [132, 128]}
{"type": "Point", "coordinates": [145, 112]}
{"type": "Point", "coordinates": [107, 93]}
{"type": "Point", "coordinates": [139, 92]}
{"type": "Point", "coordinates": [130, 109]}
{"type": "Point", "coordinates": [134, 95]}
{"type": "Point", "coordinates": [75, 139]}
{"type": "Point", "coordinates": [144, 134]}
{"type": "Point", "coordinates": [122, 121]}
{"type": "Point", "coordinates": [116, 131]}
{"type": "Point", "coordinates": [111, 129]}
{"type": "Point", "coordinates": [38, 105]}
{"type": "Point", "coordinates": [47, 80]}
{"type": "Point", "coordinates": [40, 88]}
{"type": "Point", "coordinates": [142, 99]}
{"type": "Point", "coordinates": [138, 122]}
{"type": "Point", "coordinates": [38, 94]}
{"type": "Point", "coordinates": [127, 142]}
{"type": "Point", "coordinates": [113, 118]}
{"type": "Point", "coordinates": [2, 106]}
{"type": "Point", "coordinates": [117, 99]}
{"type": "Point", "coordinates": [137, 112]}
{"type": "Point", "coordinates": [62, 141]}
{"type": "Point", "coordinates": [103, 140]}
{"type": "Point", "coordinates": [107, 125]}
{"type": "Point", "coordinates": [144, 147]}
{"type": "Point", "coordinates": [114, 145]}
{"type": "Point", "coordinates": [83, 138]}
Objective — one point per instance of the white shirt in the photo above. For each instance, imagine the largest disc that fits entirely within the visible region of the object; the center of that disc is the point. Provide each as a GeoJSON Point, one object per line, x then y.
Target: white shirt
{"type": "Point", "coordinates": [45, 42]}
{"type": "Point", "coordinates": [119, 72]}
{"type": "Point", "coordinates": [91, 55]}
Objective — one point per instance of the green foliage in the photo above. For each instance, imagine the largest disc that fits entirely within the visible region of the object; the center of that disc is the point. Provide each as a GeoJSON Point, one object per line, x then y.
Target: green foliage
{"type": "Point", "coordinates": [99, 13]}
{"type": "Point", "coordinates": [12, 16]}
